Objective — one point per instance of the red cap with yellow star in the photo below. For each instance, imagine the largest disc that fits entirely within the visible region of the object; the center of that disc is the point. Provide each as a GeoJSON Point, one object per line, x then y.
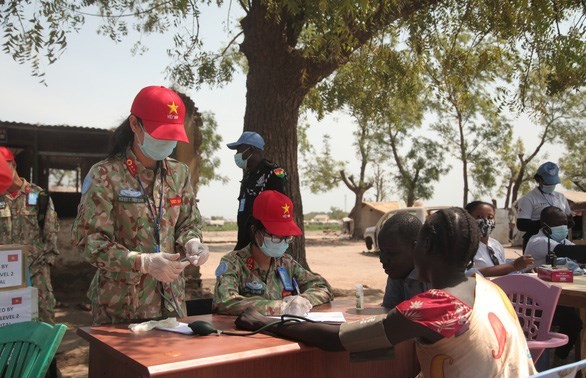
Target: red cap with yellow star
{"type": "Point", "coordinates": [7, 153]}
{"type": "Point", "coordinates": [275, 211]}
{"type": "Point", "coordinates": [162, 113]}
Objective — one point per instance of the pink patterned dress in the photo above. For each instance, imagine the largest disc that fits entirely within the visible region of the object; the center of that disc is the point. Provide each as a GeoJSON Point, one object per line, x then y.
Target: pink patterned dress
{"type": "Point", "coordinates": [481, 341]}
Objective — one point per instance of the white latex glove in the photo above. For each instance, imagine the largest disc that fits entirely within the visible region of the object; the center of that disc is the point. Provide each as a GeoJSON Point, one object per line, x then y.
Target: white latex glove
{"type": "Point", "coordinates": [196, 252]}
{"type": "Point", "coordinates": [165, 267]}
{"type": "Point", "coordinates": [295, 305]}
{"type": "Point", "coordinates": [148, 325]}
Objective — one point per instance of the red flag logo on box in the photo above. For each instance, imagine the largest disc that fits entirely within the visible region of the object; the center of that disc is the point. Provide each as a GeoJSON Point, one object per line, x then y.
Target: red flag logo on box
{"type": "Point", "coordinates": [12, 258]}
{"type": "Point", "coordinates": [17, 300]}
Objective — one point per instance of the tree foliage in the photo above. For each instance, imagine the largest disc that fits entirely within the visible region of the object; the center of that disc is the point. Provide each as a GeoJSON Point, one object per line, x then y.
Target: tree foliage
{"type": "Point", "coordinates": [321, 171]}
{"type": "Point", "coordinates": [212, 143]}
{"type": "Point", "coordinates": [292, 45]}
{"type": "Point", "coordinates": [463, 68]}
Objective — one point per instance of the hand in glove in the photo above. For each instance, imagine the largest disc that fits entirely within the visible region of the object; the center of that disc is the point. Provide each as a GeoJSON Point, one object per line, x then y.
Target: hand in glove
{"type": "Point", "coordinates": [165, 267]}
{"type": "Point", "coordinates": [196, 252]}
{"type": "Point", "coordinates": [295, 305]}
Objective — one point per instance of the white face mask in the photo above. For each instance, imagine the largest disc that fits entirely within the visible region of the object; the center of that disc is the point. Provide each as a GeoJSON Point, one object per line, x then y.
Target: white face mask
{"type": "Point", "coordinates": [156, 149]}
{"type": "Point", "coordinates": [240, 161]}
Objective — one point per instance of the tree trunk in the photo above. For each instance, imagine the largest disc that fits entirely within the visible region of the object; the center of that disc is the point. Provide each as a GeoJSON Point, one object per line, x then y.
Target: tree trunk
{"type": "Point", "coordinates": [274, 93]}
{"type": "Point", "coordinates": [518, 181]}
{"type": "Point", "coordinates": [358, 232]}
{"type": "Point", "coordinates": [410, 196]}
{"type": "Point", "coordinates": [508, 196]}
{"type": "Point", "coordinates": [464, 157]}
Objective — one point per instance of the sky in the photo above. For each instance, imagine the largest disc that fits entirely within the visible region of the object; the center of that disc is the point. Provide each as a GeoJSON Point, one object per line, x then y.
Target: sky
{"type": "Point", "coordinates": [95, 80]}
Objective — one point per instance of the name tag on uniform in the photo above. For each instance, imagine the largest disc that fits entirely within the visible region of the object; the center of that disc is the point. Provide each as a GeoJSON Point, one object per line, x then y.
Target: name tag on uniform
{"type": "Point", "coordinates": [124, 199]}
{"type": "Point", "coordinates": [241, 205]}
{"type": "Point", "coordinates": [285, 278]}
{"type": "Point", "coordinates": [32, 199]}
{"type": "Point", "coordinates": [175, 201]}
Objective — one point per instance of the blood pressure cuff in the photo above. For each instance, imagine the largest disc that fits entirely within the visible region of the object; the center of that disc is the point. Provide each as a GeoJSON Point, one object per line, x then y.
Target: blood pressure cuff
{"type": "Point", "coordinates": [366, 339]}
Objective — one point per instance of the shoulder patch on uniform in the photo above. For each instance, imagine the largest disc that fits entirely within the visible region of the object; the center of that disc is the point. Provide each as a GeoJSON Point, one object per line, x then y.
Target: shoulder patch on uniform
{"type": "Point", "coordinates": [221, 269]}
{"type": "Point", "coordinates": [87, 183]}
{"type": "Point", "coordinates": [279, 172]}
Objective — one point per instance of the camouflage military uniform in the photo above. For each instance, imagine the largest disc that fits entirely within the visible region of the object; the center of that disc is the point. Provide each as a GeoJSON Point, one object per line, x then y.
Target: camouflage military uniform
{"type": "Point", "coordinates": [241, 284]}
{"type": "Point", "coordinates": [114, 223]}
{"type": "Point", "coordinates": [19, 224]}
{"type": "Point", "coordinates": [267, 176]}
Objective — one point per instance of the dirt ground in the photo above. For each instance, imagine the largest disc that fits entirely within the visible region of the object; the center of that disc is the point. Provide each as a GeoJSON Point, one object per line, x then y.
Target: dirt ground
{"type": "Point", "coordinates": [341, 261]}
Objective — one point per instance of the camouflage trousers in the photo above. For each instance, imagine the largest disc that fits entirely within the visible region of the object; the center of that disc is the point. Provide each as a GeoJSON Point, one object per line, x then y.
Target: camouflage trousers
{"type": "Point", "coordinates": [41, 279]}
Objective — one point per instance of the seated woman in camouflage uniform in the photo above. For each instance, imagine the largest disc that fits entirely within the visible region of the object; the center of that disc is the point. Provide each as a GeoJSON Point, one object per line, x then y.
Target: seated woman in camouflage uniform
{"type": "Point", "coordinates": [261, 275]}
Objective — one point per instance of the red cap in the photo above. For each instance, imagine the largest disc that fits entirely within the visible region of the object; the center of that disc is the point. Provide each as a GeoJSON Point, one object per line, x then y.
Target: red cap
{"type": "Point", "coordinates": [6, 175]}
{"type": "Point", "coordinates": [275, 211]}
{"type": "Point", "coordinates": [7, 153]}
{"type": "Point", "coordinates": [162, 113]}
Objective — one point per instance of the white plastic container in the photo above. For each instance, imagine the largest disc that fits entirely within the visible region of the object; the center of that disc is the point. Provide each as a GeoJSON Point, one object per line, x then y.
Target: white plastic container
{"type": "Point", "coordinates": [359, 297]}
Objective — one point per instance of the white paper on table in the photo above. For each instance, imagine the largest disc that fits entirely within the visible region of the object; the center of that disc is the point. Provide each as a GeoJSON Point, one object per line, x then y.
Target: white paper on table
{"type": "Point", "coordinates": [332, 317]}
{"type": "Point", "coordinates": [182, 328]}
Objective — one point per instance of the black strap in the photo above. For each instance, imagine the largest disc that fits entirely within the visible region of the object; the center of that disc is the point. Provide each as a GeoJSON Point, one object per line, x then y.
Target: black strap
{"type": "Point", "coordinates": [43, 204]}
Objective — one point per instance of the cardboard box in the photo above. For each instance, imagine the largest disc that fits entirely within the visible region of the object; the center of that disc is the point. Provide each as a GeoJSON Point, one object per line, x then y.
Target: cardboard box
{"type": "Point", "coordinates": [547, 273]}
{"type": "Point", "coordinates": [13, 272]}
{"type": "Point", "coordinates": [20, 305]}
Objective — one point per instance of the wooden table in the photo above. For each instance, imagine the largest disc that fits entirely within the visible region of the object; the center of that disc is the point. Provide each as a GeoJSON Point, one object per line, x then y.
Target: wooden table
{"type": "Point", "coordinates": [574, 295]}
{"type": "Point", "coordinates": [117, 352]}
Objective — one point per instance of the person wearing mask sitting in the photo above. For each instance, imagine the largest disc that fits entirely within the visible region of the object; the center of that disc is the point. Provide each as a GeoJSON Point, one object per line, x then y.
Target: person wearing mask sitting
{"type": "Point", "coordinates": [463, 326]}
{"type": "Point", "coordinates": [490, 258]}
{"type": "Point", "coordinates": [261, 275]}
{"type": "Point", "coordinates": [396, 241]}
{"type": "Point", "coordinates": [551, 238]}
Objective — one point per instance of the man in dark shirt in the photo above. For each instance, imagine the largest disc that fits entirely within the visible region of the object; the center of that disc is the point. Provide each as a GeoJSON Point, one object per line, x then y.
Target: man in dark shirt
{"type": "Point", "coordinates": [259, 174]}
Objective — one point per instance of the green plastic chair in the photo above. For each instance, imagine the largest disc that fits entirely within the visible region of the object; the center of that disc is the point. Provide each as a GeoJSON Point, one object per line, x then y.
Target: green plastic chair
{"type": "Point", "coordinates": [27, 348]}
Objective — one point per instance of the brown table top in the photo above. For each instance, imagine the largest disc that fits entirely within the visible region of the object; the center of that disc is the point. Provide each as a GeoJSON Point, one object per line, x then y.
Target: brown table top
{"type": "Point", "coordinates": [160, 351]}
{"type": "Point", "coordinates": [573, 293]}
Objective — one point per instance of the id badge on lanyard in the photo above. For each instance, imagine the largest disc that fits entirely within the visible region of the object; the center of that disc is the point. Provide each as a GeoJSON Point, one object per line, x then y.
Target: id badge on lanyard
{"type": "Point", "coordinates": [32, 199]}
{"type": "Point", "coordinates": [285, 278]}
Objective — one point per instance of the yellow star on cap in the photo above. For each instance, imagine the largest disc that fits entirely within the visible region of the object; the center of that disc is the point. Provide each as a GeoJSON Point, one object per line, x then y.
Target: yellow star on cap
{"type": "Point", "coordinates": [173, 107]}
{"type": "Point", "coordinates": [285, 209]}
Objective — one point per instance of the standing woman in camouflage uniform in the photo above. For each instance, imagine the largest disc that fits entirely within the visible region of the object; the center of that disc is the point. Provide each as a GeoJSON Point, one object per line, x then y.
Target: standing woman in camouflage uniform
{"type": "Point", "coordinates": [27, 217]}
{"type": "Point", "coordinates": [138, 216]}
{"type": "Point", "coordinates": [261, 275]}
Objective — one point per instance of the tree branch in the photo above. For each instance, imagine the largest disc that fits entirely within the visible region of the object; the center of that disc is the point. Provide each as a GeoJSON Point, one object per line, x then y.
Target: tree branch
{"type": "Point", "coordinates": [318, 69]}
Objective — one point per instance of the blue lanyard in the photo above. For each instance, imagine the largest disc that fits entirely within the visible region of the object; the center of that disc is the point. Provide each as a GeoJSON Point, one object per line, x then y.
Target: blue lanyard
{"type": "Point", "coordinates": [153, 209]}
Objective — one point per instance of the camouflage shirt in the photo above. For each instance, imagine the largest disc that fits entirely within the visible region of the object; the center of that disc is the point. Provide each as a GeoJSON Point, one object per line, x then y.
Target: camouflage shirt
{"type": "Point", "coordinates": [241, 284]}
{"type": "Point", "coordinates": [114, 224]}
{"type": "Point", "coordinates": [19, 224]}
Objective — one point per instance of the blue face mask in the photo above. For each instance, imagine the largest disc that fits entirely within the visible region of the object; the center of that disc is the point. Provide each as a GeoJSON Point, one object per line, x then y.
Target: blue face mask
{"type": "Point", "coordinates": [548, 188]}
{"type": "Point", "coordinates": [156, 149]}
{"type": "Point", "coordinates": [559, 233]}
{"type": "Point", "coordinates": [272, 249]}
